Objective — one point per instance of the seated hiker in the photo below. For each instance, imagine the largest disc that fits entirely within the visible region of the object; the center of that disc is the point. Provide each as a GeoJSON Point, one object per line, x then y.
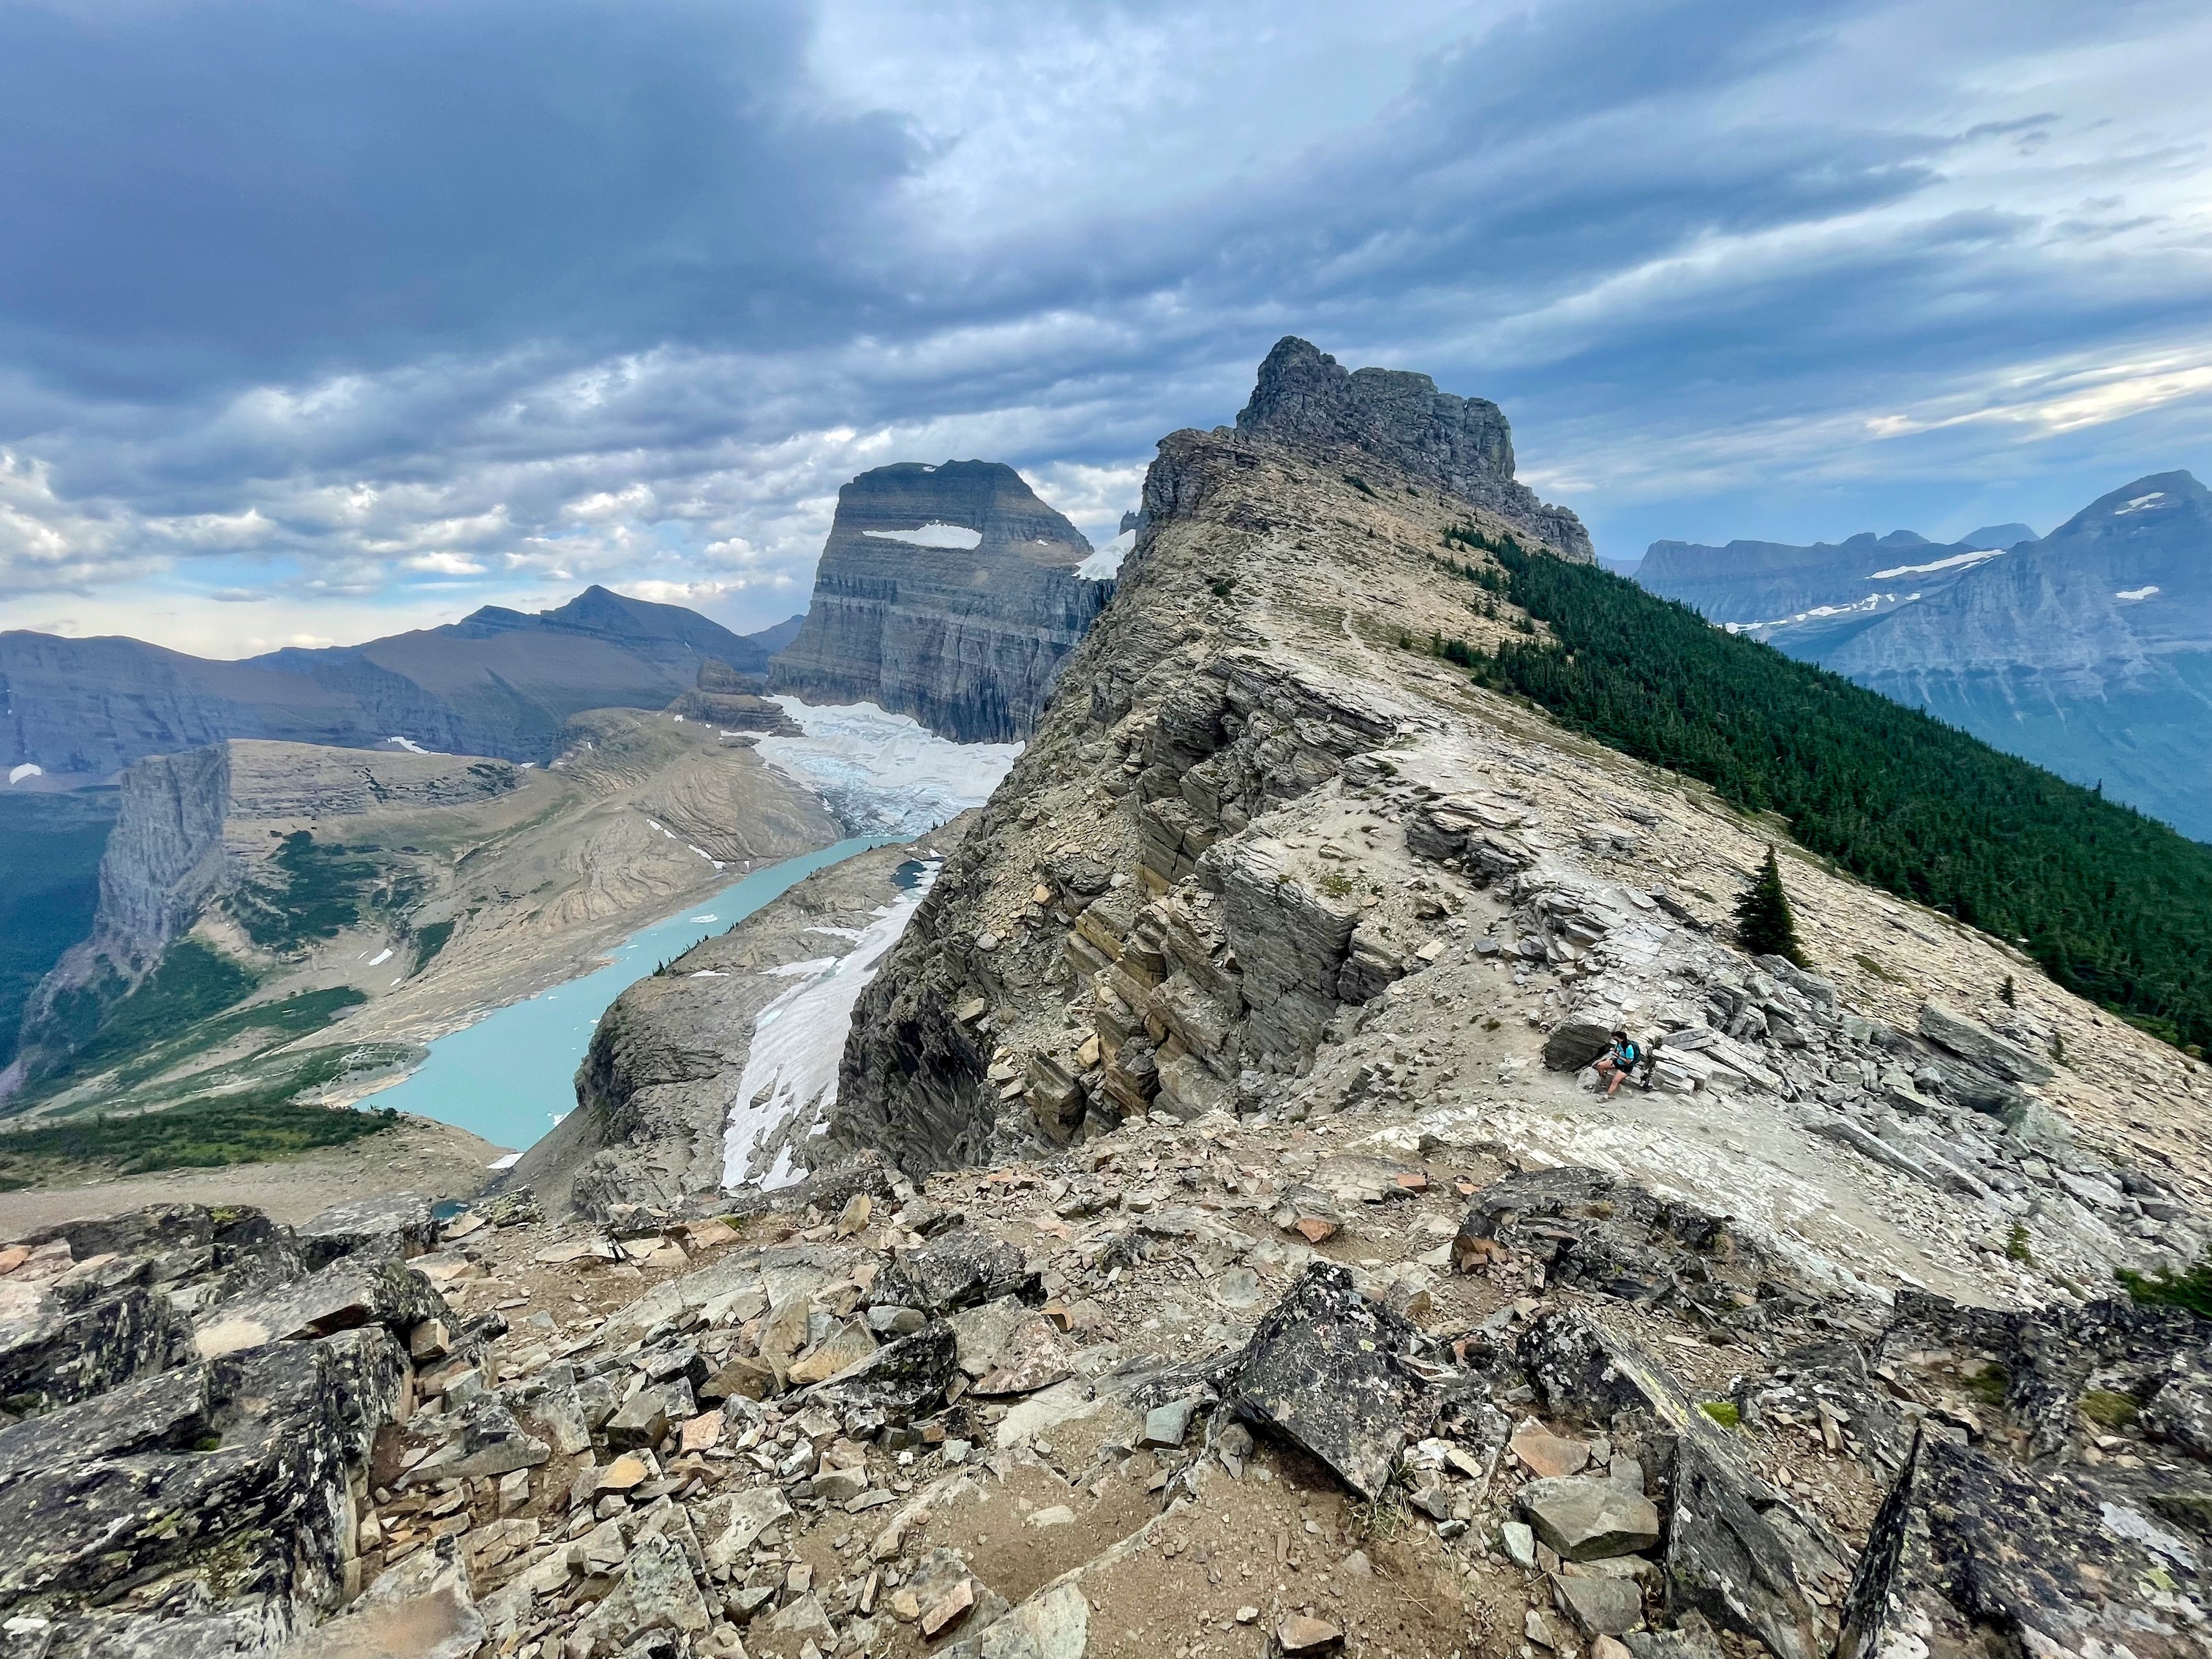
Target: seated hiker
{"type": "Point", "coordinates": [1618, 1061]}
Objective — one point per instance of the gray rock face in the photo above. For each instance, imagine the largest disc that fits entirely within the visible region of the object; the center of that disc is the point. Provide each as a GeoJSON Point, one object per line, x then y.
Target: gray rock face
{"type": "Point", "coordinates": [155, 1502]}
{"type": "Point", "coordinates": [1970, 1555]}
{"type": "Point", "coordinates": [968, 640]}
{"type": "Point", "coordinates": [1306, 399]}
{"type": "Point", "coordinates": [1983, 1048]}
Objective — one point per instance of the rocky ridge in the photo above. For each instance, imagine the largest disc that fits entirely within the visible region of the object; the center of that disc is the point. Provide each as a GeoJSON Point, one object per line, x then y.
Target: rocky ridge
{"type": "Point", "coordinates": [1218, 1387]}
{"type": "Point", "coordinates": [1305, 400]}
{"type": "Point", "coordinates": [947, 592]}
{"type": "Point", "coordinates": [1267, 854]}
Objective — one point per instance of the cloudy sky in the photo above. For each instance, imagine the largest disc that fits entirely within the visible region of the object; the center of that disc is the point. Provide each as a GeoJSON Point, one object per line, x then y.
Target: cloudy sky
{"type": "Point", "coordinates": [321, 320]}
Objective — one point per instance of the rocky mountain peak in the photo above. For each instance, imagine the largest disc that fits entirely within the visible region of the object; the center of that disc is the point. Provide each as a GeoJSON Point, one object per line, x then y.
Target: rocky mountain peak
{"type": "Point", "coordinates": [902, 502]}
{"type": "Point", "coordinates": [1304, 400]}
{"type": "Point", "coordinates": [949, 592]}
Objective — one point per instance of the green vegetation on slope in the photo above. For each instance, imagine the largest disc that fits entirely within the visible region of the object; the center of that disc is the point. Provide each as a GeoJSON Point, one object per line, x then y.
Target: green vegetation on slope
{"type": "Point", "coordinates": [188, 1005]}
{"type": "Point", "coordinates": [201, 1134]}
{"type": "Point", "coordinates": [50, 851]}
{"type": "Point", "coordinates": [312, 891]}
{"type": "Point", "coordinates": [2113, 905]}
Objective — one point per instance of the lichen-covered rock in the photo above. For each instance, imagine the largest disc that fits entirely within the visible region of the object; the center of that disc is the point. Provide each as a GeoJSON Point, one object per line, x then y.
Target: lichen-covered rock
{"type": "Point", "coordinates": [388, 1225]}
{"type": "Point", "coordinates": [242, 1487]}
{"type": "Point", "coordinates": [965, 1268]}
{"type": "Point", "coordinates": [351, 1292]}
{"type": "Point", "coordinates": [53, 1355]}
{"type": "Point", "coordinates": [1973, 1555]}
{"type": "Point", "coordinates": [1325, 1370]}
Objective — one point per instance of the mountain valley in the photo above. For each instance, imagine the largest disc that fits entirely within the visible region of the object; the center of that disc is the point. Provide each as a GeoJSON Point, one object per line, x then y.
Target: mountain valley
{"type": "Point", "coordinates": [1174, 1208]}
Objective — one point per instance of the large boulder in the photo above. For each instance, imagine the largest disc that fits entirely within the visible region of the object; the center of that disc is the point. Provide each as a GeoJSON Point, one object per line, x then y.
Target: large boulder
{"type": "Point", "coordinates": [1992, 1053]}
{"type": "Point", "coordinates": [235, 1483]}
{"type": "Point", "coordinates": [390, 1224]}
{"type": "Point", "coordinates": [1326, 1370]}
{"type": "Point", "coordinates": [965, 1268]}
{"type": "Point", "coordinates": [52, 1354]}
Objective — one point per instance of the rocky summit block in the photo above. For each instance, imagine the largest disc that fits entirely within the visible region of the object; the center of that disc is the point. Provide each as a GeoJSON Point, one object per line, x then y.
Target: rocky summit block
{"type": "Point", "coordinates": [1325, 1370]}
{"type": "Point", "coordinates": [1305, 399]}
{"type": "Point", "coordinates": [947, 592]}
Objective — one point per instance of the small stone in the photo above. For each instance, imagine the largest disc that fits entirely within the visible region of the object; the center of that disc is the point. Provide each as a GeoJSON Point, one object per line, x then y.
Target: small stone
{"type": "Point", "coordinates": [1315, 1230]}
{"type": "Point", "coordinates": [1600, 1605]}
{"type": "Point", "coordinates": [1520, 1543]}
{"type": "Point", "coordinates": [1547, 1454]}
{"type": "Point", "coordinates": [1587, 1519]}
{"type": "Point", "coordinates": [1055, 1515]}
{"type": "Point", "coordinates": [1302, 1633]}
{"type": "Point", "coordinates": [1609, 1647]}
{"type": "Point", "coordinates": [701, 1432]}
{"type": "Point", "coordinates": [1169, 1424]}
{"type": "Point", "coordinates": [1538, 1629]}
{"type": "Point", "coordinates": [642, 1421]}
{"type": "Point", "coordinates": [840, 1486]}
{"type": "Point", "coordinates": [903, 1605]}
{"type": "Point", "coordinates": [1247, 1615]}
{"type": "Point", "coordinates": [625, 1471]}
{"type": "Point", "coordinates": [949, 1609]}
{"type": "Point", "coordinates": [854, 1215]}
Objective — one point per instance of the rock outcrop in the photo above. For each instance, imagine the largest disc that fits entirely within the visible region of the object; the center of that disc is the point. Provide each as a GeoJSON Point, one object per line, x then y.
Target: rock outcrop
{"type": "Point", "coordinates": [946, 593]}
{"type": "Point", "coordinates": [164, 861]}
{"type": "Point", "coordinates": [188, 1427]}
{"type": "Point", "coordinates": [1306, 399]}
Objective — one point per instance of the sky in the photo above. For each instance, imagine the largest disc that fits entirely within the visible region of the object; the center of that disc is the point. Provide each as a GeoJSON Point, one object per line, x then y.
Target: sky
{"type": "Point", "coordinates": [318, 322]}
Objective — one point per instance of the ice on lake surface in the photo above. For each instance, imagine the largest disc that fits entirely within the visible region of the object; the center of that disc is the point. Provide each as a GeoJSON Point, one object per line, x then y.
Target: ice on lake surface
{"type": "Point", "coordinates": [885, 774]}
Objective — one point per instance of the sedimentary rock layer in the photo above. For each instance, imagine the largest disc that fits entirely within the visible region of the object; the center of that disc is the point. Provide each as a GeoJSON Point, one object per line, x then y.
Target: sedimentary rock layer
{"type": "Point", "coordinates": [946, 593]}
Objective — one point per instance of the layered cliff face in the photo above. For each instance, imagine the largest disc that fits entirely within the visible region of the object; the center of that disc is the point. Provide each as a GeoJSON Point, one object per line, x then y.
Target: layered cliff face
{"type": "Point", "coordinates": [946, 593]}
{"type": "Point", "coordinates": [2088, 652]}
{"type": "Point", "coordinates": [164, 861]}
{"type": "Point", "coordinates": [1306, 400]}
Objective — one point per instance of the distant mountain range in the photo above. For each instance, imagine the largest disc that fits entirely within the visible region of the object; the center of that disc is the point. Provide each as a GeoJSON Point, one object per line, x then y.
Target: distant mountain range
{"type": "Point", "coordinates": [500, 682]}
{"type": "Point", "coordinates": [2088, 651]}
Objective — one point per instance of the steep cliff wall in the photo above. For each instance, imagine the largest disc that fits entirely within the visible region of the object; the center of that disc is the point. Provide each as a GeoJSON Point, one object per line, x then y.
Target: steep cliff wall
{"type": "Point", "coordinates": [946, 593]}
{"type": "Point", "coordinates": [1306, 400]}
{"type": "Point", "coordinates": [164, 861]}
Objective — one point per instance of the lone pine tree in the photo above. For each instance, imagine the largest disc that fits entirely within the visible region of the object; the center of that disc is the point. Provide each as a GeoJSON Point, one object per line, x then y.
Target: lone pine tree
{"type": "Point", "coordinates": [1764, 925]}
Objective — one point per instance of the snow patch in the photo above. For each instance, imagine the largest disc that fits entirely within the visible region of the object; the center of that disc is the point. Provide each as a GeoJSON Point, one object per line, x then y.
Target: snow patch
{"type": "Point", "coordinates": [708, 973]}
{"type": "Point", "coordinates": [704, 916]}
{"type": "Point", "coordinates": [381, 957]}
{"type": "Point", "coordinates": [2141, 504]}
{"type": "Point", "coordinates": [881, 774]}
{"type": "Point", "coordinates": [409, 745]}
{"type": "Point", "coordinates": [2132, 595]}
{"type": "Point", "coordinates": [1106, 561]}
{"type": "Point", "coordinates": [1956, 562]}
{"type": "Point", "coordinates": [28, 770]}
{"type": "Point", "coordinates": [935, 533]}
{"type": "Point", "coordinates": [506, 1163]}
{"type": "Point", "coordinates": [790, 1079]}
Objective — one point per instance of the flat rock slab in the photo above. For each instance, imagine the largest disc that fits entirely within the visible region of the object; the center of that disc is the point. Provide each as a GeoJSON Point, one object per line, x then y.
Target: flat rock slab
{"type": "Point", "coordinates": [348, 1293]}
{"type": "Point", "coordinates": [1548, 1454]}
{"type": "Point", "coordinates": [1599, 1607]}
{"type": "Point", "coordinates": [963, 1268]}
{"type": "Point", "coordinates": [1588, 1519]}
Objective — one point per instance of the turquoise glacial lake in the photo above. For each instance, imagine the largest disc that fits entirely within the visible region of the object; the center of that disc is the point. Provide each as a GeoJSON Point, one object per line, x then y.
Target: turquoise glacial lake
{"type": "Point", "coordinates": [511, 1075]}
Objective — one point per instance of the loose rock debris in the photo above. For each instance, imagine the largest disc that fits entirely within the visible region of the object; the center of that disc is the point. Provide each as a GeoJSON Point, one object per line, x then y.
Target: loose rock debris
{"type": "Point", "coordinates": [968, 1425]}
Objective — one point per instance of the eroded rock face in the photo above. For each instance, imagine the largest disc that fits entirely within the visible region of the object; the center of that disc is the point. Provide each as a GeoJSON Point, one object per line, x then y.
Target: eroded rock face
{"type": "Point", "coordinates": [158, 1499]}
{"type": "Point", "coordinates": [1306, 398]}
{"type": "Point", "coordinates": [967, 639]}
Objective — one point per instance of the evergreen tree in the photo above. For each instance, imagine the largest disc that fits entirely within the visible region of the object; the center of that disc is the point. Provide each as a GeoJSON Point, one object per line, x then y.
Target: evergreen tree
{"type": "Point", "coordinates": [1764, 925]}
